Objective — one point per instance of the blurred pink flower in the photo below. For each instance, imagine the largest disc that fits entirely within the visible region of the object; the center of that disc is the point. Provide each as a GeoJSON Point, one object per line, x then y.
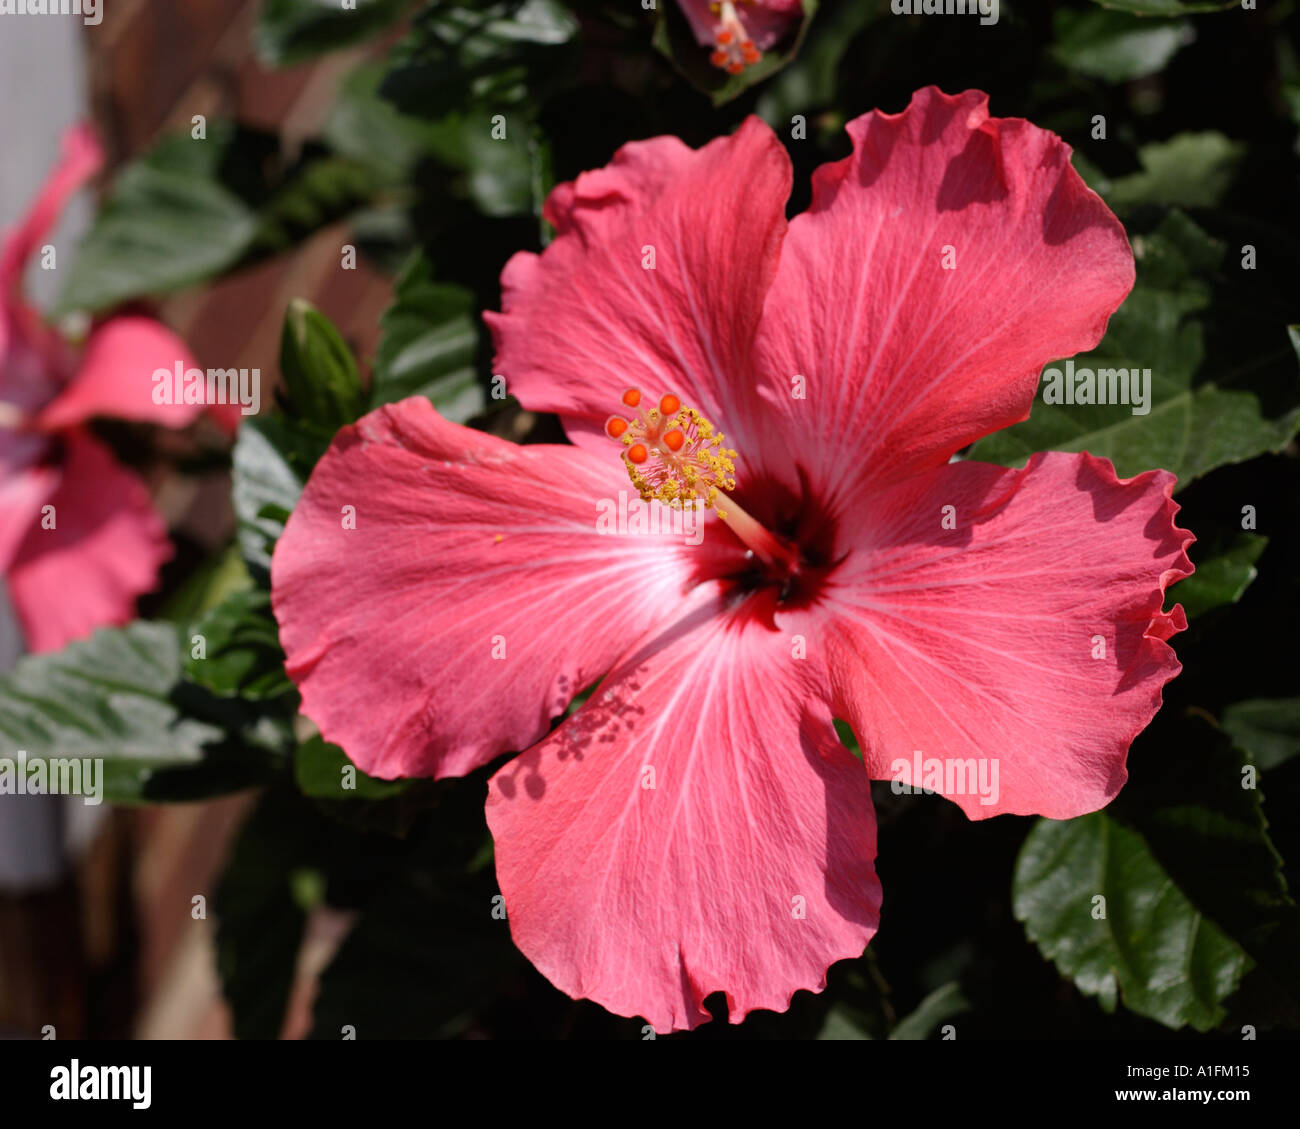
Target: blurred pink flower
{"type": "Point", "coordinates": [79, 538]}
{"type": "Point", "coordinates": [697, 826]}
{"type": "Point", "coordinates": [739, 31]}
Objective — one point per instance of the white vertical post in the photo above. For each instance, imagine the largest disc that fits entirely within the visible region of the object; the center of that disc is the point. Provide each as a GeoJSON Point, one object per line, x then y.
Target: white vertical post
{"type": "Point", "coordinates": [42, 92]}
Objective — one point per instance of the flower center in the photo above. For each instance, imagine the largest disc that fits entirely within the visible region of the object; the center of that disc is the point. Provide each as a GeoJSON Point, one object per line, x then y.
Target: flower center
{"type": "Point", "coordinates": [672, 453]}
{"type": "Point", "coordinates": [735, 49]}
{"type": "Point", "coordinates": [675, 456]}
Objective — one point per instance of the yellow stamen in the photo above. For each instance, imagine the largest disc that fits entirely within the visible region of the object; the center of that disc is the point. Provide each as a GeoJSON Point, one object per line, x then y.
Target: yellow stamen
{"type": "Point", "coordinates": [678, 458]}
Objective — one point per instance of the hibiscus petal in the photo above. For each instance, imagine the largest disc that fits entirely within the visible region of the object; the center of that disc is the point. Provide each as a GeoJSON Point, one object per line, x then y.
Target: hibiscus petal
{"type": "Point", "coordinates": [695, 827]}
{"type": "Point", "coordinates": [80, 159]}
{"type": "Point", "coordinates": [26, 484]}
{"type": "Point", "coordinates": [478, 589]}
{"type": "Point", "coordinates": [34, 359]}
{"type": "Point", "coordinates": [1030, 634]}
{"type": "Point", "coordinates": [905, 361]}
{"type": "Point", "coordinates": [585, 319]}
{"type": "Point", "coordinates": [115, 377]}
{"type": "Point", "coordinates": [104, 551]}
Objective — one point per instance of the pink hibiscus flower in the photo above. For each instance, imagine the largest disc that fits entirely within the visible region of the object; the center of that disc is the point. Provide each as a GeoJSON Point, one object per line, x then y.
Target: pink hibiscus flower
{"type": "Point", "coordinates": [79, 538]}
{"type": "Point", "coordinates": [739, 31]}
{"type": "Point", "coordinates": [696, 826]}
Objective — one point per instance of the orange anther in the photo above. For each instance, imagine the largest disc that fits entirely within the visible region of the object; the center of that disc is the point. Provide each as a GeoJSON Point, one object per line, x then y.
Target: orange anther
{"type": "Point", "coordinates": [735, 68]}
{"type": "Point", "coordinates": [637, 453]}
{"type": "Point", "coordinates": [632, 397]}
{"type": "Point", "coordinates": [674, 440]}
{"type": "Point", "coordinates": [670, 405]}
{"type": "Point", "coordinates": [718, 58]}
{"type": "Point", "coordinates": [725, 37]}
{"type": "Point", "coordinates": [751, 53]}
{"type": "Point", "coordinates": [615, 426]}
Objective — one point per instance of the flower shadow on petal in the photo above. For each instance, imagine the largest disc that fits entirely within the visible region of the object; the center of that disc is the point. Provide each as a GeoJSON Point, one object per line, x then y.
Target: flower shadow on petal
{"type": "Point", "coordinates": [611, 712]}
{"type": "Point", "coordinates": [856, 894]}
{"type": "Point", "coordinates": [974, 176]}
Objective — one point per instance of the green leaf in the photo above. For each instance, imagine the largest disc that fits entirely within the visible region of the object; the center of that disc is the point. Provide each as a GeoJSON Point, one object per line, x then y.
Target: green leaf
{"type": "Point", "coordinates": [1192, 796]}
{"type": "Point", "coordinates": [810, 80]}
{"type": "Point", "coordinates": [272, 458]}
{"type": "Point", "coordinates": [102, 696]}
{"type": "Point", "coordinates": [1291, 92]}
{"type": "Point", "coordinates": [318, 768]}
{"type": "Point", "coordinates": [1268, 729]}
{"type": "Point", "coordinates": [288, 859]}
{"type": "Point", "coordinates": [855, 1004]}
{"type": "Point", "coordinates": [316, 191]}
{"type": "Point", "coordinates": [429, 345]}
{"type": "Point", "coordinates": [192, 208]}
{"type": "Point", "coordinates": [496, 172]}
{"type": "Point", "coordinates": [848, 739]}
{"type": "Point", "coordinates": [119, 696]}
{"type": "Point", "coordinates": [291, 31]}
{"type": "Point", "coordinates": [419, 963]}
{"type": "Point", "coordinates": [1153, 946]}
{"type": "Point", "coordinates": [167, 223]}
{"type": "Point", "coordinates": [368, 128]}
{"type": "Point", "coordinates": [498, 55]}
{"type": "Point", "coordinates": [260, 924]}
{"type": "Point", "coordinates": [324, 772]}
{"type": "Point", "coordinates": [1114, 46]}
{"type": "Point", "coordinates": [324, 386]}
{"type": "Point", "coordinates": [1194, 888]}
{"type": "Point", "coordinates": [1167, 7]}
{"type": "Point", "coordinates": [242, 649]}
{"type": "Point", "coordinates": [205, 588]}
{"type": "Point", "coordinates": [1206, 411]}
{"type": "Point", "coordinates": [275, 452]}
{"type": "Point", "coordinates": [840, 1026]}
{"type": "Point", "coordinates": [1192, 170]}
{"type": "Point", "coordinates": [932, 1012]}
{"type": "Point", "coordinates": [1224, 570]}
{"type": "Point", "coordinates": [475, 81]}
{"type": "Point", "coordinates": [429, 952]}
